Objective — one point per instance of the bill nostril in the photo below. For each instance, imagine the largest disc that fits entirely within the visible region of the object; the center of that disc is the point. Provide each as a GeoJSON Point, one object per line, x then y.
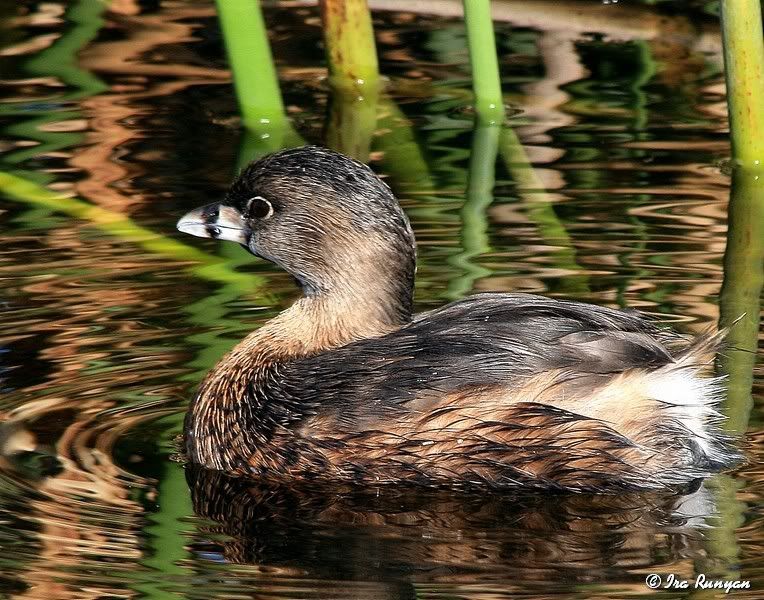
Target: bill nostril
{"type": "Point", "coordinates": [212, 213]}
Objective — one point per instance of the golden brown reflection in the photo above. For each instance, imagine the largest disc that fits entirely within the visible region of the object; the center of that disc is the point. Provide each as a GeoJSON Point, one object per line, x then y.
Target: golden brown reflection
{"type": "Point", "coordinates": [508, 543]}
{"type": "Point", "coordinates": [159, 36]}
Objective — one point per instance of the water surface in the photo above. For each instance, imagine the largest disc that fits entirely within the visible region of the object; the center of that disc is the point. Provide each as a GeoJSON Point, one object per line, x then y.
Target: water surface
{"type": "Point", "coordinates": [109, 318]}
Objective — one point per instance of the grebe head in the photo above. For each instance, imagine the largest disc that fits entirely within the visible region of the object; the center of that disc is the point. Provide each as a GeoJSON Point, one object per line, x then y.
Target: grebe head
{"type": "Point", "coordinates": [325, 218]}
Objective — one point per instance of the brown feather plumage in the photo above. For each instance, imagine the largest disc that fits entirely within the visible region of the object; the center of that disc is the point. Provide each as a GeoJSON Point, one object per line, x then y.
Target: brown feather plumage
{"type": "Point", "coordinates": [497, 390]}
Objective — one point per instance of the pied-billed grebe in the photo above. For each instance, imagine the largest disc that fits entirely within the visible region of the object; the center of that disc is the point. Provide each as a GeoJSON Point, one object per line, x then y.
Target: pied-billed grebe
{"type": "Point", "coordinates": [495, 390]}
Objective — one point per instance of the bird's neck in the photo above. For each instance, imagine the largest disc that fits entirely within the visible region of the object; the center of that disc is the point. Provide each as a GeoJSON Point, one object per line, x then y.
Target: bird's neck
{"type": "Point", "coordinates": [325, 320]}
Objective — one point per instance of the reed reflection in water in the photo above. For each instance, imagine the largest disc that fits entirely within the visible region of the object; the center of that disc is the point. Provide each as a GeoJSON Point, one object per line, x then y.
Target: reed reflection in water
{"type": "Point", "coordinates": [612, 195]}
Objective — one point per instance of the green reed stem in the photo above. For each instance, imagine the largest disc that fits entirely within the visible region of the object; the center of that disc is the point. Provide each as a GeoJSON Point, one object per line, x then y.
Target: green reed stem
{"type": "Point", "coordinates": [59, 60]}
{"type": "Point", "coordinates": [352, 121]}
{"type": "Point", "coordinates": [350, 48]}
{"type": "Point", "coordinates": [744, 66]}
{"type": "Point", "coordinates": [479, 196]}
{"type": "Point", "coordinates": [540, 210]}
{"type": "Point", "coordinates": [254, 74]}
{"type": "Point", "coordinates": [486, 82]}
{"type": "Point", "coordinates": [116, 224]}
{"type": "Point", "coordinates": [164, 536]}
{"type": "Point", "coordinates": [740, 298]}
{"type": "Point", "coordinates": [402, 156]}
{"type": "Point", "coordinates": [721, 539]}
{"type": "Point", "coordinates": [254, 145]}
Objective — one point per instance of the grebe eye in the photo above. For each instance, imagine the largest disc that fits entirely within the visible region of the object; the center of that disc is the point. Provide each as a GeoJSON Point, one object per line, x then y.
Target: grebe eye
{"type": "Point", "coordinates": [259, 208]}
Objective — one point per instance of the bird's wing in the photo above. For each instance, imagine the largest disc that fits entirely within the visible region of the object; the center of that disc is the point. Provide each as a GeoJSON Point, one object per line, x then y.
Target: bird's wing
{"type": "Point", "coordinates": [484, 341]}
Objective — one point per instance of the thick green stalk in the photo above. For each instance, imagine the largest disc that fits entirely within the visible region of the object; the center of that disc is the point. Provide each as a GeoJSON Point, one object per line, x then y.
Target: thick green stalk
{"type": "Point", "coordinates": [486, 82]}
{"type": "Point", "coordinates": [350, 49]}
{"type": "Point", "coordinates": [740, 298]}
{"type": "Point", "coordinates": [254, 74]}
{"type": "Point", "coordinates": [744, 66]}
